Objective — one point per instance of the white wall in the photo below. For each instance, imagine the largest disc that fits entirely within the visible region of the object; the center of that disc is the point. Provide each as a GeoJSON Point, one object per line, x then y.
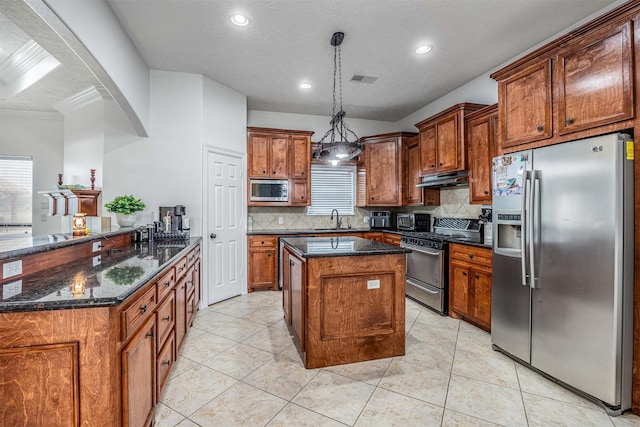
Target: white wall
{"type": "Point", "coordinates": [41, 136]}
{"type": "Point", "coordinates": [164, 169]}
{"type": "Point", "coordinates": [84, 144]}
{"type": "Point", "coordinates": [224, 117]}
{"type": "Point", "coordinates": [318, 124]}
{"type": "Point", "coordinates": [101, 42]}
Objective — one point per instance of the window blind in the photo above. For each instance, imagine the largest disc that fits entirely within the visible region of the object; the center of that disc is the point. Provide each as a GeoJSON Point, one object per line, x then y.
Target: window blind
{"type": "Point", "coordinates": [16, 181]}
{"type": "Point", "coordinates": [332, 187]}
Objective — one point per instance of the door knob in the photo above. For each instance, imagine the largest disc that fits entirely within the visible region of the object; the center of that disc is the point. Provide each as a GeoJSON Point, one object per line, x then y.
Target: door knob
{"type": "Point", "coordinates": [212, 235]}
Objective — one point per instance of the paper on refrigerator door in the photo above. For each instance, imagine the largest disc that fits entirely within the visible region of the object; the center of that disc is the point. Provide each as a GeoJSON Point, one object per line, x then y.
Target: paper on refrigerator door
{"type": "Point", "coordinates": [508, 174]}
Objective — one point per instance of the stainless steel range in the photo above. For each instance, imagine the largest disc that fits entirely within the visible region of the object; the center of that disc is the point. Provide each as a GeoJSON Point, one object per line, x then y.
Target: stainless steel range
{"type": "Point", "coordinates": [427, 267]}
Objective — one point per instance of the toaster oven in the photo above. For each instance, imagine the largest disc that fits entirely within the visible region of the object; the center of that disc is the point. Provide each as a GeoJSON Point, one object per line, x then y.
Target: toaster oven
{"type": "Point", "coordinates": [413, 221]}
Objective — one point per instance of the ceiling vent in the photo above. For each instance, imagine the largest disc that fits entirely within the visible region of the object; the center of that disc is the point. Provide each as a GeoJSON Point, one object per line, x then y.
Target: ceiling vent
{"type": "Point", "coordinates": [363, 79]}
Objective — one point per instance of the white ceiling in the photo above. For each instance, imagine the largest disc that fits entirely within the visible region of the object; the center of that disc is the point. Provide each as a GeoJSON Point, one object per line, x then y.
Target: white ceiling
{"type": "Point", "coordinates": [287, 41]}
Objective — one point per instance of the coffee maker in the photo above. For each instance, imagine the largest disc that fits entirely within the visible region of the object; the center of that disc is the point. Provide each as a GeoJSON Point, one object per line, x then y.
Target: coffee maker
{"type": "Point", "coordinates": [177, 220]}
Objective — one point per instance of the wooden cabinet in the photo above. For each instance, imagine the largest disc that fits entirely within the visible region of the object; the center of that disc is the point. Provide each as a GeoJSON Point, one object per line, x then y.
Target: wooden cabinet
{"type": "Point", "coordinates": [577, 86]}
{"type": "Point", "coordinates": [281, 154]}
{"type": "Point", "coordinates": [442, 140]}
{"type": "Point", "coordinates": [595, 80]}
{"type": "Point", "coordinates": [470, 284]}
{"type": "Point", "coordinates": [384, 168]}
{"type": "Point", "coordinates": [412, 195]}
{"type": "Point", "coordinates": [139, 377]}
{"type": "Point", "coordinates": [262, 263]}
{"type": "Point", "coordinates": [481, 129]}
{"type": "Point", "coordinates": [268, 156]}
{"type": "Point", "coordinates": [296, 276]}
{"type": "Point", "coordinates": [522, 122]}
{"type": "Point", "coordinates": [181, 313]}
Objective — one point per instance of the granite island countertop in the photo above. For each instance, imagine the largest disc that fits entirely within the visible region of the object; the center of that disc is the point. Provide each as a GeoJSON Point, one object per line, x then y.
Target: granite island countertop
{"type": "Point", "coordinates": [119, 273]}
{"type": "Point", "coordinates": [315, 247]}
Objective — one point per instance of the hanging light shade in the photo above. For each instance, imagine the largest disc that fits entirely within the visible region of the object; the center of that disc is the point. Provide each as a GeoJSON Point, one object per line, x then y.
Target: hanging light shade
{"type": "Point", "coordinates": [339, 142]}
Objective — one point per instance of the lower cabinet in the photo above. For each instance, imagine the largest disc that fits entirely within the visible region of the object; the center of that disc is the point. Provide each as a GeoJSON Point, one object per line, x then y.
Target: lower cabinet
{"type": "Point", "coordinates": [470, 284]}
{"type": "Point", "coordinates": [139, 377]}
{"type": "Point", "coordinates": [262, 263]}
{"type": "Point", "coordinates": [391, 239]}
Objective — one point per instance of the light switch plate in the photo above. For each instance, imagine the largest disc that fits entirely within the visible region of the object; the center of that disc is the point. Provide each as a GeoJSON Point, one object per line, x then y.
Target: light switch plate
{"type": "Point", "coordinates": [365, 219]}
{"type": "Point", "coordinates": [373, 284]}
{"type": "Point", "coordinates": [280, 220]}
{"type": "Point", "coordinates": [11, 269]}
{"type": "Point", "coordinates": [96, 246]}
{"type": "Point", "coordinates": [96, 260]}
{"type": "Point", "coordinates": [11, 289]}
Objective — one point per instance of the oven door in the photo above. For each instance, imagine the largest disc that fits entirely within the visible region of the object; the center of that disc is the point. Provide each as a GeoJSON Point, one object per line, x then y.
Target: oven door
{"type": "Point", "coordinates": [425, 281]}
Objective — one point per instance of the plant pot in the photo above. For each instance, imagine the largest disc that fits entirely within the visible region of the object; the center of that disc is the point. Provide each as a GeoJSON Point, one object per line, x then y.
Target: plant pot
{"type": "Point", "coordinates": [126, 220]}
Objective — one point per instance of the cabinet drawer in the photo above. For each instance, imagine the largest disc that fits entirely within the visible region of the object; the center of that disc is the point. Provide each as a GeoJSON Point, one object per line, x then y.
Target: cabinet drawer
{"type": "Point", "coordinates": [135, 315]}
{"type": "Point", "coordinates": [472, 254]}
{"type": "Point", "coordinates": [165, 318]}
{"type": "Point", "coordinates": [164, 363]}
{"type": "Point", "coordinates": [263, 241]}
{"type": "Point", "coordinates": [165, 284]}
{"type": "Point", "coordinates": [191, 257]}
{"type": "Point", "coordinates": [181, 267]}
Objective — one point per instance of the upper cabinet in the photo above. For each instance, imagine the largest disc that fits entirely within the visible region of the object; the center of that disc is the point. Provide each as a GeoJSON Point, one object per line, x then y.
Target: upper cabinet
{"type": "Point", "coordinates": [383, 163]}
{"type": "Point", "coordinates": [412, 195]}
{"type": "Point", "coordinates": [595, 80]}
{"type": "Point", "coordinates": [579, 85]}
{"type": "Point", "coordinates": [526, 121]}
{"type": "Point", "coordinates": [281, 154]}
{"type": "Point", "coordinates": [481, 135]}
{"type": "Point", "coordinates": [268, 156]}
{"type": "Point", "coordinates": [442, 140]}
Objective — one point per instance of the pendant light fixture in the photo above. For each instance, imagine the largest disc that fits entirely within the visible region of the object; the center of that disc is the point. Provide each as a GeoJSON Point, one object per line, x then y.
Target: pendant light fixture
{"type": "Point", "coordinates": [339, 142]}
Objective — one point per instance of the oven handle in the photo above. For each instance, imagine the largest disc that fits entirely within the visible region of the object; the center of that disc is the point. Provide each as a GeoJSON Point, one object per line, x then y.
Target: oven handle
{"type": "Point", "coordinates": [421, 249]}
{"type": "Point", "coordinates": [411, 282]}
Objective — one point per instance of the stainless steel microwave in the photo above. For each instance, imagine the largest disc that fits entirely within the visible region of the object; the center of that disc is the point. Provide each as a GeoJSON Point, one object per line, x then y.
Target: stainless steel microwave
{"type": "Point", "coordinates": [268, 190]}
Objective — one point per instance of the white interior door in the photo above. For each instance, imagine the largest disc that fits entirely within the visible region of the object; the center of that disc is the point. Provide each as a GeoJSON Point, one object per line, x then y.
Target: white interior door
{"type": "Point", "coordinates": [224, 226]}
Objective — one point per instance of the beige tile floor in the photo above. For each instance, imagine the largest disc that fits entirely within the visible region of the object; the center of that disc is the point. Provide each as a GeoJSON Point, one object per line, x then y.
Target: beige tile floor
{"type": "Point", "coordinates": [238, 367]}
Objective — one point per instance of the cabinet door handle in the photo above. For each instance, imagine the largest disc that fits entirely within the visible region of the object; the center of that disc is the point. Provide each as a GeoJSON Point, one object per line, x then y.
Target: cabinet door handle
{"type": "Point", "coordinates": [268, 254]}
{"type": "Point", "coordinates": [470, 256]}
{"type": "Point", "coordinates": [302, 173]}
{"type": "Point", "coordinates": [440, 164]}
{"type": "Point", "coordinates": [540, 128]}
{"type": "Point", "coordinates": [569, 120]}
{"type": "Point", "coordinates": [167, 362]}
{"type": "Point", "coordinates": [464, 273]}
{"type": "Point", "coordinates": [167, 284]}
{"type": "Point", "coordinates": [150, 334]}
{"type": "Point", "coordinates": [143, 308]}
{"type": "Point", "coordinates": [486, 192]}
{"type": "Point", "coordinates": [167, 319]}
{"type": "Point", "coordinates": [264, 171]}
{"type": "Point", "coordinates": [476, 276]}
{"type": "Point", "coordinates": [433, 165]}
{"type": "Point", "coordinates": [274, 172]}
{"type": "Point", "coordinates": [302, 197]}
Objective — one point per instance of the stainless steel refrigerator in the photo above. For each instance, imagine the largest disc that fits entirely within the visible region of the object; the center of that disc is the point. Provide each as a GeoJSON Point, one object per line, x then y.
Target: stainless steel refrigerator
{"type": "Point", "coordinates": [562, 295]}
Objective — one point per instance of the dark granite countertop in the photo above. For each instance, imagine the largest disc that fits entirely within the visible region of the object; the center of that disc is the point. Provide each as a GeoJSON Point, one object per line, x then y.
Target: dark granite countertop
{"type": "Point", "coordinates": [468, 243]}
{"type": "Point", "coordinates": [118, 275]}
{"type": "Point", "coordinates": [21, 246]}
{"type": "Point", "coordinates": [314, 247]}
{"type": "Point", "coordinates": [307, 231]}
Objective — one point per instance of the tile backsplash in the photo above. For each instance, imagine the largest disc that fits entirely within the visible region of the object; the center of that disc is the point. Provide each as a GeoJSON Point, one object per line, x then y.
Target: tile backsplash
{"type": "Point", "coordinates": [454, 203]}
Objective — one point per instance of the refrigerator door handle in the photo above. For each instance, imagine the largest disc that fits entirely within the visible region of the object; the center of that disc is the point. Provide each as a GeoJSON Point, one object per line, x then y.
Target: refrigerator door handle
{"type": "Point", "coordinates": [532, 210]}
{"type": "Point", "coordinates": [524, 219]}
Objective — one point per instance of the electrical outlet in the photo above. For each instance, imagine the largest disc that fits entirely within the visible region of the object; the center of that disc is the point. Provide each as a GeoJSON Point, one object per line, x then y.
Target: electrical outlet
{"type": "Point", "coordinates": [365, 219]}
{"type": "Point", "coordinates": [96, 260]}
{"type": "Point", "coordinates": [11, 269]}
{"type": "Point", "coordinates": [280, 220]}
{"type": "Point", "coordinates": [11, 289]}
{"type": "Point", "coordinates": [96, 247]}
{"type": "Point", "coordinates": [373, 284]}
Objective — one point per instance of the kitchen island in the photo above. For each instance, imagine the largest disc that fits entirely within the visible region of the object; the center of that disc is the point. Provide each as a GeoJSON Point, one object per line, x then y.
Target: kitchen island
{"type": "Point", "coordinates": [90, 327]}
{"type": "Point", "coordinates": [344, 298]}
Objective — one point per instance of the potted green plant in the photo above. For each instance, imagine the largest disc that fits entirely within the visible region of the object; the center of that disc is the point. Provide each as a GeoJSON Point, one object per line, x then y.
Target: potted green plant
{"type": "Point", "coordinates": [125, 208]}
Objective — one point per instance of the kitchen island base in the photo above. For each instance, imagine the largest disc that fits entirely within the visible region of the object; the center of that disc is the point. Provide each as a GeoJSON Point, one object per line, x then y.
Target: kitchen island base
{"type": "Point", "coordinates": [345, 309]}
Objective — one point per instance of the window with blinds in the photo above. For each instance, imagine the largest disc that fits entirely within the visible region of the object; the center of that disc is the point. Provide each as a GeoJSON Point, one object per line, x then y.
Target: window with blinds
{"type": "Point", "coordinates": [332, 187]}
{"type": "Point", "coordinates": [16, 181]}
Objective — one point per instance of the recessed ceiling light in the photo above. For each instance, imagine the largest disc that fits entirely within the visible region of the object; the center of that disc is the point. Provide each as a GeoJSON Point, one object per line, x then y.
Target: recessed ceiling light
{"type": "Point", "coordinates": [425, 48]}
{"type": "Point", "coordinates": [305, 85]}
{"type": "Point", "coordinates": [240, 20]}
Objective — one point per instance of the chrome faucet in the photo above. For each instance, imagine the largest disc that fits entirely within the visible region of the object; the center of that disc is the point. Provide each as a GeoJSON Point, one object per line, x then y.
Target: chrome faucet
{"type": "Point", "coordinates": [338, 221]}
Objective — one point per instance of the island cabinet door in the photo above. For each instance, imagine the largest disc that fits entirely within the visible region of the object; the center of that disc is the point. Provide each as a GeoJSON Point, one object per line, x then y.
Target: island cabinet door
{"type": "Point", "coordinates": [139, 377]}
{"type": "Point", "coordinates": [181, 313]}
{"type": "Point", "coordinates": [286, 286]}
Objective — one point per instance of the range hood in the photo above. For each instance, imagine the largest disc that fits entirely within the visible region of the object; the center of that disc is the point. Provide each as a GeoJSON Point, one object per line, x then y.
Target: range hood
{"type": "Point", "coordinates": [445, 179]}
